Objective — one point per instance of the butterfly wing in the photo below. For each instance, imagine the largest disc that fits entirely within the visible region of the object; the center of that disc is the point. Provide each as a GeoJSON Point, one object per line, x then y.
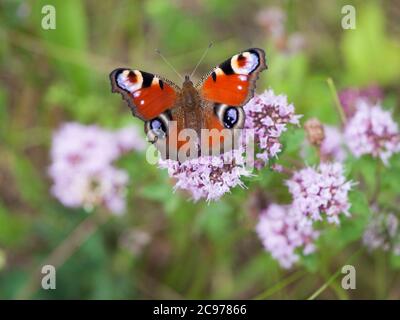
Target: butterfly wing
{"type": "Point", "coordinates": [224, 91]}
{"type": "Point", "coordinates": [233, 81]}
{"type": "Point", "coordinates": [147, 95]}
{"type": "Point", "coordinates": [153, 99]}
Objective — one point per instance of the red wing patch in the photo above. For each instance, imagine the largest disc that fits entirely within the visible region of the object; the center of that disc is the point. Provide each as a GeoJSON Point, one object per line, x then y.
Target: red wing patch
{"type": "Point", "coordinates": [233, 81]}
{"type": "Point", "coordinates": [228, 89]}
{"type": "Point", "coordinates": [216, 135]}
{"type": "Point", "coordinates": [146, 94]}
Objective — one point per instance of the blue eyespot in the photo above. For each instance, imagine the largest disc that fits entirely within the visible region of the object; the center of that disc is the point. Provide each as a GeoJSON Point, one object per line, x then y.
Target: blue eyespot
{"type": "Point", "coordinates": [158, 127]}
{"type": "Point", "coordinates": [230, 117]}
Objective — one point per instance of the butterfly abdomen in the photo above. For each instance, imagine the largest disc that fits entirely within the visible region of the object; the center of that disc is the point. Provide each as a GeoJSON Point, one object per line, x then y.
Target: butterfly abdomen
{"type": "Point", "coordinates": [191, 103]}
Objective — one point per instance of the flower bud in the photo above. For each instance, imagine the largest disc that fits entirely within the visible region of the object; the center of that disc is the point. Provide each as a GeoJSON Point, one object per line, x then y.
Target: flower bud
{"type": "Point", "coordinates": [315, 131]}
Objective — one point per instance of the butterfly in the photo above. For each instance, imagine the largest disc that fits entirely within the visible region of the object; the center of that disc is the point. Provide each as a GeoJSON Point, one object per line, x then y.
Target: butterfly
{"type": "Point", "coordinates": [174, 116]}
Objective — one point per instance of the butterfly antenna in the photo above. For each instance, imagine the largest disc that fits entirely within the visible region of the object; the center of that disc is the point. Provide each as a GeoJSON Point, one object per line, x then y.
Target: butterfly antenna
{"type": "Point", "coordinates": [167, 62]}
{"type": "Point", "coordinates": [201, 59]}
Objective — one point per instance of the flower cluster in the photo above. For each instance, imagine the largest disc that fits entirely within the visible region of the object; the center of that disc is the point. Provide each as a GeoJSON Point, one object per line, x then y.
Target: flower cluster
{"type": "Point", "coordinates": [208, 177]}
{"type": "Point", "coordinates": [383, 232]}
{"type": "Point", "coordinates": [82, 169]}
{"type": "Point", "coordinates": [332, 145]}
{"type": "Point", "coordinates": [268, 114]}
{"type": "Point", "coordinates": [372, 131]}
{"type": "Point", "coordinates": [319, 191]}
{"type": "Point", "coordinates": [350, 97]}
{"type": "Point", "coordinates": [282, 233]}
{"type": "Point", "coordinates": [284, 229]}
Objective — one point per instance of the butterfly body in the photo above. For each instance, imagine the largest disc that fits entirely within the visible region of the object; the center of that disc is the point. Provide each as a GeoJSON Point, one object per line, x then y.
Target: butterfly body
{"type": "Point", "coordinates": [176, 116]}
{"type": "Point", "coordinates": [190, 103]}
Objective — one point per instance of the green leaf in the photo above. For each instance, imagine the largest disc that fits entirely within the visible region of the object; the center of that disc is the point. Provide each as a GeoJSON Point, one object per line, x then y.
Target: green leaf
{"type": "Point", "coordinates": [30, 183]}
{"type": "Point", "coordinates": [351, 228]}
{"type": "Point", "coordinates": [214, 219]}
{"type": "Point", "coordinates": [394, 261]}
{"type": "Point", "coordinates": [13, 228]}
{"type": "Point", "coordinates": [311, 262]}
{"type": "Point", "coordinates": [292, 140]}
{"type": "Point", "coordinates": [159, 192]}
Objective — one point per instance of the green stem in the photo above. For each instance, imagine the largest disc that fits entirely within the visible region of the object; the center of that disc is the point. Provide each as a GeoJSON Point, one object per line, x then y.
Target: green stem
{"type": "Point", "coordinates": [280, 285]}
{"type": "Point", "coordinates": [336, 100]}
{"type": "Point", "coordinates": [378, 174]}
{"type": "Point", "coordinates": [333, 277]}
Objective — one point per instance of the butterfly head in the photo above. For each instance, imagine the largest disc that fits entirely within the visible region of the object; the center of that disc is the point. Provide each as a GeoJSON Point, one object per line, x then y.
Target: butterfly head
{"type": "Point", "coordinates": [187, 82]}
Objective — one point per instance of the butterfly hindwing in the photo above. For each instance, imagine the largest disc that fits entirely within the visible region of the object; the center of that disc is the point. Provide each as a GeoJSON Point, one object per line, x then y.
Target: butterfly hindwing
{"type": "Point", "coordinates": [221, 122]}
{"type": "Point", "coordinates": [233, 81]}
{"type": "Point", "coordinates": [147, 95]}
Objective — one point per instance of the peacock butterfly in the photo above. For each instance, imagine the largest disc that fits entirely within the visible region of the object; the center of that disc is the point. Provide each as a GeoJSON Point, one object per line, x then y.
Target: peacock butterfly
{"type": "Point", "coordinates": [214, 105]}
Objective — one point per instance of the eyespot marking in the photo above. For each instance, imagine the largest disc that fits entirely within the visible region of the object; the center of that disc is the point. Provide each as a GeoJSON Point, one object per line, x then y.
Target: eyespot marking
{"type": "Point", "coordinates": [129, 80]}
{"type": "Point", "coordinates": [230, 117]}
{"type": "Point", "coordinates": [157, 128]}
{"type": "Point", "coordinates": [245, 62]}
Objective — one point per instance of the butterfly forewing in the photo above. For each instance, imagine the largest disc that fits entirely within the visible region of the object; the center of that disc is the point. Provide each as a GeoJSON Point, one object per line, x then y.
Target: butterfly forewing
{"type": "Point", "coordinates": [233, 81]}
{"type": "Point", "coordinates": [147, 95]}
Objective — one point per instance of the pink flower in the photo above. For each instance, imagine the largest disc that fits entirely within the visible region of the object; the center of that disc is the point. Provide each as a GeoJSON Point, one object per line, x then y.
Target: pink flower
{"type": "Point", "coordinates": [319, 191]}
{"type": "Point", "coordinates": [268, 114]}
{"type": "Point", "coordinates": [208, 177]}
{"type": "Point", "coordinates": [82, 147]}
{"type": "Point", "coordinates": [383, 232]}
{"type": "Point", "coordinates": [129, 139]}
{"type": "Point", "coordinates": [89, 189]}
{"type": "Point", "coordinates": [351, 96]}
{"type": "Point", "coordinates": [372, 131]}
{"type": "Point", "coordinates": [81, 168]}
{"type": "Point", "coordinates": [332, 145]}
{"type": "Point", "coordinates": [282, 233]}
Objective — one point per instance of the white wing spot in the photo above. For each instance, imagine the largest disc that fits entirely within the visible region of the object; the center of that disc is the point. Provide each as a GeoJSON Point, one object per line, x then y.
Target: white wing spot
{"type": "Point", "coordinates": [141, 102]}
{"type": "Point", "coordinates": [124, 83]}
{"type": "Point", "coordinates": [249, 66]}
{"type": "Point", "coordinates": [219, 72]}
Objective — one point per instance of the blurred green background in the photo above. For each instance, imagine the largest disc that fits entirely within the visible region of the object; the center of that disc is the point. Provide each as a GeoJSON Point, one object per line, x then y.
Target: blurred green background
{"type": "Point", "coordinates": [165, 246]}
